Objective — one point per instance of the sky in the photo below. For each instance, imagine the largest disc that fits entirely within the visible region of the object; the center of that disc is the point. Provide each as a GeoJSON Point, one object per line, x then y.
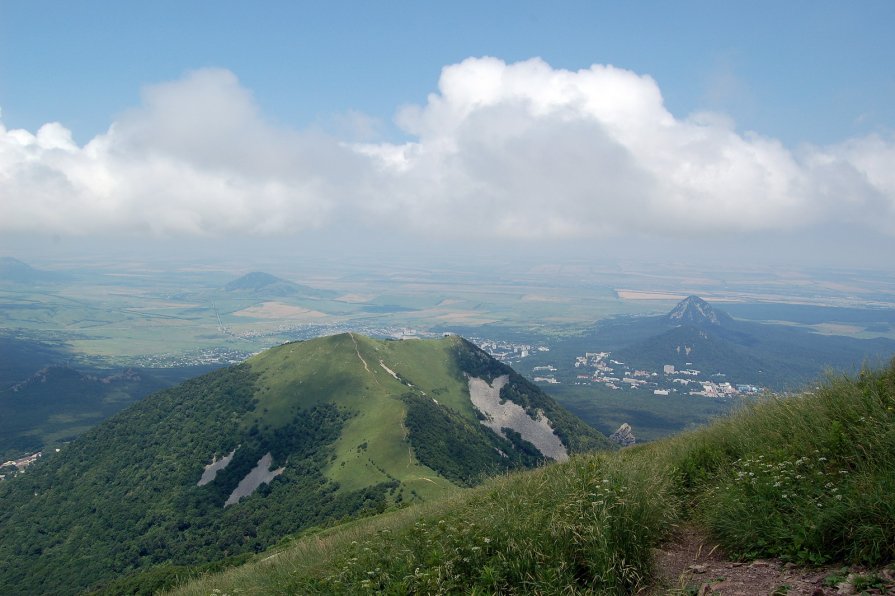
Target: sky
{"type": "Point", "coordinates": [760, 130]}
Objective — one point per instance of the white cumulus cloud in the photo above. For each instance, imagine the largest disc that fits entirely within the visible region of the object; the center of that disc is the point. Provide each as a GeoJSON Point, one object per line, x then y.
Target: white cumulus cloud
{"type": "Point", "coordinates": [517, 150]}
{"type": "Point", "coordinates": [195, 158]}
{"type": "Point", "coordinates": [526, 149]}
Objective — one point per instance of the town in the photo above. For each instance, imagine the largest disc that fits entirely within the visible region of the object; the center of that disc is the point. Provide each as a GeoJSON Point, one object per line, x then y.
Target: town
{"type": "Point", "coordinates": [506, 351]}
{"type": "Point", "coordinates": [14, 467]}
{"type": "Point", "coordinates": [600, 368]}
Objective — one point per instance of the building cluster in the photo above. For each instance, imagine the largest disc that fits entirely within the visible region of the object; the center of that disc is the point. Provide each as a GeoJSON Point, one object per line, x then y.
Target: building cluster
{"type": "Point", "coordinates": [16, 466]}
{"type": "Point", "coordinates": [599, 368]}
{"type": "Point", "coordinates": [208, 356]}
{"type": "Point", "coordinates": [507, 351]}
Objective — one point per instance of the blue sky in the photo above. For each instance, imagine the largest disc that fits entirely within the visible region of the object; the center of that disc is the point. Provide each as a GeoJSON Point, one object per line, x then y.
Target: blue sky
{"type": "Point", "coordinates": [716, 122]}
{"type": "Point", "coordinates": [800, 71]}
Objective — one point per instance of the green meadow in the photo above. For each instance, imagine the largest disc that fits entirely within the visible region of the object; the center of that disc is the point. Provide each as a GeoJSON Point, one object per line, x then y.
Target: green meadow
{"type": "Point", "coordinates": [373, 445]}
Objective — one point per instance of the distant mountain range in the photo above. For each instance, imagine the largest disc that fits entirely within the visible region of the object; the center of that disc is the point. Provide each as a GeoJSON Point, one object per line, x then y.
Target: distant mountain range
{"type": "Point", "coordinates": [699, 336]}
{"type": "Point", "coordinates": [300, 435]}
{"type": "Point", "coordinates": [265, 285]}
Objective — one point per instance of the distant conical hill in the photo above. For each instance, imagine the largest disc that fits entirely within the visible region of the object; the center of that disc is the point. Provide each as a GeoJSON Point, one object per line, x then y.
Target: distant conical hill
{"type": "Point", "coordinates": [16, 271]}
{"type": "Point", "coordinates": [695, 335]}
{"type": "Point", "coordinates": [300, 435]}
{"type": "Point", "coordinates": [693, 310]}
{"type": "Point", "coordinates": [262, 284]}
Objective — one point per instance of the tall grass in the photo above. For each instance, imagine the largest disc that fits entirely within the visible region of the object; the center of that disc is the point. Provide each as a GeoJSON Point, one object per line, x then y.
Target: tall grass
{"type": "Point", "coordinates": [810, 479]}
{"type": "Point", "coordinates": [588, 525]}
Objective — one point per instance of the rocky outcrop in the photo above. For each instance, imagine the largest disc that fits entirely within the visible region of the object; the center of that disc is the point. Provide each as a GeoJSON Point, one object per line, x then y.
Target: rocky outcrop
{"type": "Point", "coordinates": [260, 474]}
{"type": "Point", "coordinates": [499, 415]}
{"type": "Point", "coordinates": [211, 470]}
{"type": "Point", "coordinates": [693, 310]}
{"type": "Point", "coordinates": [624, 436]}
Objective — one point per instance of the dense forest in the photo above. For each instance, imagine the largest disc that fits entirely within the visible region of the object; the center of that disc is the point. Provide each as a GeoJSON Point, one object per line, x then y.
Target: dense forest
{"type": "Point", "coordinates": [121, 509]}
{"type": "Point", "coordinates": [462, 451]}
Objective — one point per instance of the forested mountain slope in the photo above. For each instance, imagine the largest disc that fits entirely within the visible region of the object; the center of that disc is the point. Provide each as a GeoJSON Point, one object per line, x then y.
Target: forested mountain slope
{"type": "Point", "coordinates": [300, 435]}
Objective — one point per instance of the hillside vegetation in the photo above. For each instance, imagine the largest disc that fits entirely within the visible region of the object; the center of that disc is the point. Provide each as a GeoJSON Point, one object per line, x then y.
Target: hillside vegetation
{"type": "Point", "coordinates": [337, 427]}
{"type": "Point", "coordinates": [810, 479]}
{"type": "Point", "coordinates": [57, 403]}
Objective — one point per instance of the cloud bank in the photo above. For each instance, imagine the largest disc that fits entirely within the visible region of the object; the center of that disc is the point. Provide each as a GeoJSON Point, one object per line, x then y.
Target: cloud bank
{"type": "Point", "coordinates": [518, 150]}
{"type": "Point", "coordinates": [195, 158]}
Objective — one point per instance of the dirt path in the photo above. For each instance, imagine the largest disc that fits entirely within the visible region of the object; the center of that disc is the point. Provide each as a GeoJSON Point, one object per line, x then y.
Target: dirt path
{"type": "Point", "coordinates": [392, 373]}
{"type": "Point", "coordinates": [693, 564]}
{"type": "Point", "coordinates": [388, 370]}
{"type": "Point", "coordinates": [406, 434]}
{"type": "Point", "coordinates": [357, 351]}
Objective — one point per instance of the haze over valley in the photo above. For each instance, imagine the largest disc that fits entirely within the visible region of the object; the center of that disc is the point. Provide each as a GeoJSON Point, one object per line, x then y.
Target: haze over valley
{"type": "Point", "coordinates": [155, 323]}
{"type": "Point", "coordinates": [462, 298]}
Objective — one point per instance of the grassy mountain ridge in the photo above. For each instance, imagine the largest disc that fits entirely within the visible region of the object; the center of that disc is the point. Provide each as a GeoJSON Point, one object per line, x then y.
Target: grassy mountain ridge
{"type": "Point", "coordinates": [350, 424]}
{"type": "Point", "coordinates": [808, 479]}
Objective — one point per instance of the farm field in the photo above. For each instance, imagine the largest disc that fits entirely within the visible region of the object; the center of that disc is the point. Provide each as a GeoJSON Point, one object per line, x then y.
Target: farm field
{"type": "Point", "coordinates": [177, 313]}
{"type": "Point", "coordinates": [108, 315]}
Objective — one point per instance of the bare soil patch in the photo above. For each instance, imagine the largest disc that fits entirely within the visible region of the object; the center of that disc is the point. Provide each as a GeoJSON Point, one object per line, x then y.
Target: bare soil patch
{"type": "Point", "coordinates": [279, 310]}
{"type": "Point", "coordinates": [692, 564]}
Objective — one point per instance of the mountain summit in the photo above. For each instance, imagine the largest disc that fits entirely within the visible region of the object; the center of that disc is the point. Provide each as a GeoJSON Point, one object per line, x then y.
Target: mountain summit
{"type": "Point", "coordinates": [693, 310]}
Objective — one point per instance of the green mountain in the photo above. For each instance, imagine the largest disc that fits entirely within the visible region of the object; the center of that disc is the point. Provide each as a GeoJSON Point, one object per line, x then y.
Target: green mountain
{"type": "Point", "coordinates": [301, 435]}
{"type": "Point", "coordinates": [265, 285]}
{"type": "Point", "coordinates": [21, 357]}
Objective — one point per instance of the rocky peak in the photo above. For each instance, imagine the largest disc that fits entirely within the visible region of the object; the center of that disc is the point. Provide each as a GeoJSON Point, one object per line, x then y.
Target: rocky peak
{"type": "Point", "coordinates": [693, 310]}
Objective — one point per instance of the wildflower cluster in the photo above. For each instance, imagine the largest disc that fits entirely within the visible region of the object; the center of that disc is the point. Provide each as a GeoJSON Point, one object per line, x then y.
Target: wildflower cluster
{"type": "Point", "coordinates": [778, 506]}
{"type": "Point", "coordinates": [789, 483]}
